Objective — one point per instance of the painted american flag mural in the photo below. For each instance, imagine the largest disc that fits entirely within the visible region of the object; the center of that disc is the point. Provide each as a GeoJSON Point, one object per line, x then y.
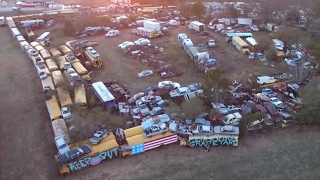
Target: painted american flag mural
{"type": "Point", "coordinates": [141, 148]}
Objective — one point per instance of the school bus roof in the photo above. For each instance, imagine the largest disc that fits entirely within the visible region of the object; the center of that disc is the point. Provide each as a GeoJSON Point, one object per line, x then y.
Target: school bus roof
{"type": "Point", "coordinates": [80, 94]}
{"type": "Point", "coordinates": [138, 139]}
{"type": "Point", "coordinates": [280, 53]}
{"type": "Point", "coordinates": [64, 97]}
{"type": "Point", "coordinates": [239, 41]}
{"type": "Point", "coordinates": [53, 108]}
{"type": "Point", "coordinates": [60, 129]}
{"type": "Point", "coordinates": [133, 131]}
{"type": "Point", "coordinates": [55, 52]}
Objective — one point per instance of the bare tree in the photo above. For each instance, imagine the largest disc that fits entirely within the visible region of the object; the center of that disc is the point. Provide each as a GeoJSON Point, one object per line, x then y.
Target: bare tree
{"type": "Point", "coordinates": [192, 108]}
{"type": "Point", "coordinates": [215, 85]}
{"type": "Point", "coordinates": [268, 9]}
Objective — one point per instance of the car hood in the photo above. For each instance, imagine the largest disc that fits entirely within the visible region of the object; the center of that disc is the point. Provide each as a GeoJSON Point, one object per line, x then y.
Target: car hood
{"type": "Point", "coordinates": [63, 158]}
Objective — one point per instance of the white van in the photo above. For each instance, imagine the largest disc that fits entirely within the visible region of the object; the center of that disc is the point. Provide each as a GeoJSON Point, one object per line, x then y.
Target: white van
{"type": "Point", "coordinates": [61, 144]}
{"type": "Point", "coordinates": [266, 80]}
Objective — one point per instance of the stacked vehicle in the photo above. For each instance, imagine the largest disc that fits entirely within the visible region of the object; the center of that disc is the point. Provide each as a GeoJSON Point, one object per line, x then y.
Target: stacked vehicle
{"type": "Point", "coordinates": [200, 57]}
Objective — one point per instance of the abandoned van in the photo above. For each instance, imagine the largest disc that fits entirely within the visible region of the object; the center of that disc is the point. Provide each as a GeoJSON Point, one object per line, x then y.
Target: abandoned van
{"type": "Point", "coordinates": [64, 49]}
{"type": "Point", "coordinates": [57, 78]}
{"type": "Point", "coordinates": [39, 48]}
{"type": "Point", "coordinates": [64, 97]}
{"type": "Point", "coordinates": [45, 54]}
{"type": "Point", "coordinates": [55, 52]}
{"type": "Point", "coordinates": [133, 131]}
{"type": "Point", "coordinates": [54, 109]}
{"type": "Point", "coordinates": [48, 83]}
{"type": "Point", "coordinates": [80, 98]}
{"type": "Point", "coordinates": [59, 128]}
{"type": "Point", "coordinates": [61, 60]}
{"type": "Point", "coordinates": [52, 66]}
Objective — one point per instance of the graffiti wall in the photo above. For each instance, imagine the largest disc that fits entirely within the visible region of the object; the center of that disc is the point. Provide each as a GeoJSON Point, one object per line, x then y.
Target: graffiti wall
{"type": "Point", "coordinates": [214, 141]}
{"type": "Point", "coordinates": [94, 159]}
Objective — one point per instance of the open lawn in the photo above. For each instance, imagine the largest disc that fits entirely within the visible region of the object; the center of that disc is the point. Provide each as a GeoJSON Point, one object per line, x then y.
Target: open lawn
{"type": "Point", "coordinates": [27, 147]}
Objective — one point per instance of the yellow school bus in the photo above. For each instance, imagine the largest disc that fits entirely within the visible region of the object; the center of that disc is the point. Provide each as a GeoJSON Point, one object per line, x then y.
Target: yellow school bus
{"type": "Point", "coordinates": [34, 44]}
{"type": "Point", "coordinates": [103, 151]}
{"type": "Point", "coordinates": [25, 17]}
{"type": "Point", "coordinates": [64, 49]}
{"type": "Point", "coordinates": [45, 54]}
{"type": "Point", "coordinates": [47, 83]}
{"type": "Point", "coordinates": [93, 56]}
{"type": "Point", "coordinates": [240, 45]}
{"type": "Point", "coordinates": [133, 131]}
{"type": "Point", "coordinates": [59, 128]}
{"type": "Point", "coordinates": [57, 78]}
{"type": "Point", "coordinates": [212, 140]}
{"type": "Point", "coordinates": [81, 70]}
{"type": "Point", "coordinates": [52, 66]}
{"type": "Point", "coordinates": [60, 62]}
{"type": "Point", "coordinates": [54, 109]}
{"type": "Point", "coordinates": [71, 60]}
{"type": "Point", "coordinates": [64, 97]}
{"type": "Point", "coordinates": [39, 48]}
{"type": "Point", "coordinates": [80, 98]}
{"type": "Point", "coordinates": [55, 52]}
{"type": "Point", "coordinates": [148, 11]}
